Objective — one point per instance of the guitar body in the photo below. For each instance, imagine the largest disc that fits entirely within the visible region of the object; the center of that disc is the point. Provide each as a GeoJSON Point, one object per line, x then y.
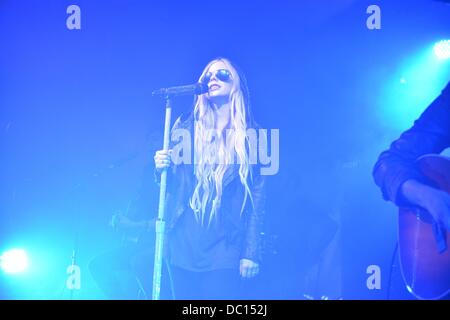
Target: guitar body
{"type": "Point", "coordinates": [425, 263]}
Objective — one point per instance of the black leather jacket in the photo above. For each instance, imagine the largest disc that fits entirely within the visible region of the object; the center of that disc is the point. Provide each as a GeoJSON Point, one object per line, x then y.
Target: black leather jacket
{"type": "Point", "coordinates": [248, 226]}
{"type": "Point", "coordinates": [429, 134]}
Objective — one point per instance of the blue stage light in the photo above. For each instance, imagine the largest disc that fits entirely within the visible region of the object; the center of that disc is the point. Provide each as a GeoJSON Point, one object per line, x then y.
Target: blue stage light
{"type": "Point", "coordinates": [14, 261]}
{"type": "Point", "coordinates": [442, 49]}
{"type": "Point", "coordinates": [419, 79]}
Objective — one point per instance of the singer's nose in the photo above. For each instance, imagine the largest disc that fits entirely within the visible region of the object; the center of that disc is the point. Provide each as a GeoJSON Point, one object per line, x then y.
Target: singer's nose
{"type": "Point", "coordinates": [213, 76]}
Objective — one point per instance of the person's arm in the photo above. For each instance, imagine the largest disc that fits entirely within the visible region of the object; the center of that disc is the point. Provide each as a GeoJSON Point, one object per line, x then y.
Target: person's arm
{"type": "Point", "coordinates": [251, 253]}
{"type": "Point", "coordinates": [430, 134]}
{"type": "Point", "coordinates": [139, 217]}
{"type": "Point", "coordinates": [435, 201]}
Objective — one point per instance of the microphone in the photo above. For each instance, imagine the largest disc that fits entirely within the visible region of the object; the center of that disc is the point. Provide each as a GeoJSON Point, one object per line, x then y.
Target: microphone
{"type": "Point", "coordinates": [198, 88]}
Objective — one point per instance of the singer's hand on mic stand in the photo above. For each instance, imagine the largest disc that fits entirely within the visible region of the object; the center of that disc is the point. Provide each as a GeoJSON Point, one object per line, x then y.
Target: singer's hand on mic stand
{"type": "Point", "coordinates": [162, 159]}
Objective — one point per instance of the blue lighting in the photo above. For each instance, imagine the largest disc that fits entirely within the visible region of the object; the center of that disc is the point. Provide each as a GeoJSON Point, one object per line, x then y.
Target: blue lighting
{"type": "Point", "coordinates": [419, 79]}
{"type": "Point", "coordinates": [14, 261]}
{"type": "Point", "coordinates": [442, 49]}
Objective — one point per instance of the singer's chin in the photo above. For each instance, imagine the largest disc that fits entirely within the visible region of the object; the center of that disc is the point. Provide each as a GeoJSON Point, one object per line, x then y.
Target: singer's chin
{"type": "Point", "coordinates": [213, 95]}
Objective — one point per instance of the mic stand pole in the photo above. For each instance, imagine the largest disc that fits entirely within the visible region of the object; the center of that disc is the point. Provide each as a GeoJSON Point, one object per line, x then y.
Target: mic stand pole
{"type": "Point", "coordinates": [74, 261]}
{"type": "Point", "coordinates": [160, 223]}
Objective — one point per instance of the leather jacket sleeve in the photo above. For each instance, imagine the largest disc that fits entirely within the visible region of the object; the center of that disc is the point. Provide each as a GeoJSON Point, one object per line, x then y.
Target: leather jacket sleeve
{"type": "Point", "coordinates": [429, 134]}
{"type": "Point", "coordinates": [252, 248]}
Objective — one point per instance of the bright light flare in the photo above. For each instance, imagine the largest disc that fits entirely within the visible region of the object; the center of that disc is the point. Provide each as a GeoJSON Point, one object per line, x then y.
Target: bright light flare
{"type": "Point", "coordinates": [14, 261]}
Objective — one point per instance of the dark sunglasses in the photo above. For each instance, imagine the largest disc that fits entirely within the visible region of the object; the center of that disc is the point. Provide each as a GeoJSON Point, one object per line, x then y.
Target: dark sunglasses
{"type": "Point", "coordinates": [221, 74]}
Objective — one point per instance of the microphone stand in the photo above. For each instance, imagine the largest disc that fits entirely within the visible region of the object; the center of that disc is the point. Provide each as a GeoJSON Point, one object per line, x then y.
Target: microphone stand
{"type": "Point", "coordinates": [74, 261]}
{"type": "Point", "coordinates": [168, 93]}
{"type": "Point", "coordinates": [160, 223]}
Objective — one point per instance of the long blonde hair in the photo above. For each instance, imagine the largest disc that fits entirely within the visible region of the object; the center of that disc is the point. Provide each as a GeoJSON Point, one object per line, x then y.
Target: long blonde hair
{"type": "Point", "coordinates": [214, 157]}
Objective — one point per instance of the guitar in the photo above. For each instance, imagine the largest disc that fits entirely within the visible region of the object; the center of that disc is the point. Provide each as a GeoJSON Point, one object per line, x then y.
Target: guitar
{"type": "Point", "coordinates": [424, 246]}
